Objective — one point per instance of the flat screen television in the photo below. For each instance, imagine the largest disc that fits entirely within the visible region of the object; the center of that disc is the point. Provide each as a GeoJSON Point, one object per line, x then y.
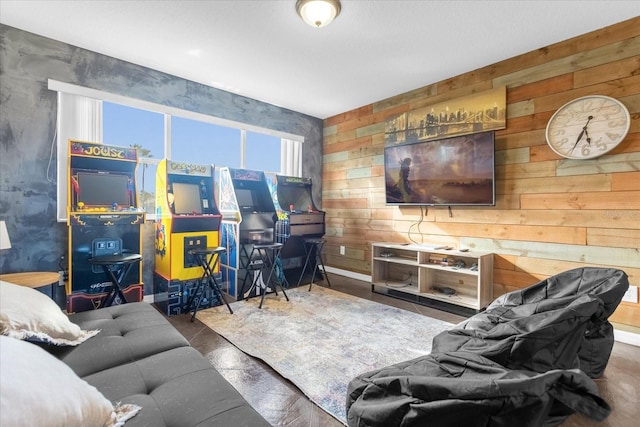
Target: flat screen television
{"type": "Point", "coordinates": [104, 189]}
{"type": "Point", "coordinates": [458, 170]}
{"type": "Point", "coordinates": [186, 198]}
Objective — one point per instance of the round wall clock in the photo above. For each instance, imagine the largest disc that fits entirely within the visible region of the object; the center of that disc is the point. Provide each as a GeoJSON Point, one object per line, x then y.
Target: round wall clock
{"type": "Point", "coordinates": [588, 127]}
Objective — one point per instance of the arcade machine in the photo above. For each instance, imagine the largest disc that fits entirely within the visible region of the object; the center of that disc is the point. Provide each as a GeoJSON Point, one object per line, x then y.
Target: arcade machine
{"type": "Point", "coordinates": [249, 216]}
{"type": "Point", "coordinates": [103, 219]}
{"type": "Point", "coordinates": [186, 218]}
{"type": "Point", "coordinates": [298, 219]}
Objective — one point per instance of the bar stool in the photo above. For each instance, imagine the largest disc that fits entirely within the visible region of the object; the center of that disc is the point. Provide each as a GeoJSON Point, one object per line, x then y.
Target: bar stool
{"type": "Point", "coordinates": [208, 258]}
{"type": "Point", "coordinates": [116, 267]}
{"type": "Point", "coordinates": [248, 265]}
{"type": "Point", "coordinates": [314, 245]}
{"type": "Point", "coordinates": [269, 255]}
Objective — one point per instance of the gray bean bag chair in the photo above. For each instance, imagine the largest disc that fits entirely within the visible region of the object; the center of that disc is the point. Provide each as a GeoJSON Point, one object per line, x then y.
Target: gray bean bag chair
{"type": "Point", "coordinates": [527, 360]}
{"type": "Point", "coordinates": [558, 323]}
{"type": "Point", "coordinates": [465, 389]}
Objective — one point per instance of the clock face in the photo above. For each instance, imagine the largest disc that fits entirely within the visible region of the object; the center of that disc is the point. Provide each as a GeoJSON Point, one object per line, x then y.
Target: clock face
{"type": "Point", "coordinates": [588, 127]}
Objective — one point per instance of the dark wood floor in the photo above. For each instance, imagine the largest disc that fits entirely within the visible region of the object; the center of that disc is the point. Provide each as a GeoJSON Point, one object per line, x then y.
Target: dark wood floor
{"type": "Point", "coordinates": [282, 404]}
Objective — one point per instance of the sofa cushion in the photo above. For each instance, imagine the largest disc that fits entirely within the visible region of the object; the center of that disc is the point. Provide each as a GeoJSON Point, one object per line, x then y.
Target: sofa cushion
{"type": "Point", "coordinates": [129, 332]}
{"type": "Point", "coordinates": [39, 390]}
{"type": "Point", "coordinates": [26, 313]}
{"type": "Point", "coordinates": [176, 388]}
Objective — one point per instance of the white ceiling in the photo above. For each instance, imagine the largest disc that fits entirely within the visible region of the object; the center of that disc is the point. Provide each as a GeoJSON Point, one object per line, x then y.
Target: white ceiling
{"type": "Point", "coordinates": [261, 49]}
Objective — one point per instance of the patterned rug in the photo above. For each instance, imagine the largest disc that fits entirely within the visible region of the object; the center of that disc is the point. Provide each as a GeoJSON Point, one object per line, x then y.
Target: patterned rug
{"type": "Point", "coordinates": [322, 339]}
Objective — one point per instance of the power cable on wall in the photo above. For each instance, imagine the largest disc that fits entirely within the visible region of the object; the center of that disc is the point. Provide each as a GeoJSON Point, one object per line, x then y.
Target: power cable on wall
{"type": "Point", "coordinates": [422, 215]}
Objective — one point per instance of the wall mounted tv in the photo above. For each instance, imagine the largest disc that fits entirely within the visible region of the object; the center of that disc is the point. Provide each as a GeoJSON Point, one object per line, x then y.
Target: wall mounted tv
{"type": "Point", "coordinates": [442, 172]}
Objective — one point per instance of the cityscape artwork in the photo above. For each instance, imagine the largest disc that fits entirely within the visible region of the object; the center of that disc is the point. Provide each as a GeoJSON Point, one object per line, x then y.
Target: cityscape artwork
{"type": "Point", "coordinates": [475, 113]}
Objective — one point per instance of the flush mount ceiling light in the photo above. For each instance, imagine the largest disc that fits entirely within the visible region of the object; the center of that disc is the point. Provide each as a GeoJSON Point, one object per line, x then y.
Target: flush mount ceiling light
{"type": "Point", "coordinates": [318, 13]}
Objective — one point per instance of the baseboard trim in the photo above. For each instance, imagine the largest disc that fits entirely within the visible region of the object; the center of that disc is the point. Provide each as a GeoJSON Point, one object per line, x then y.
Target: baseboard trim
{"type": "Point", "coordinates": [625, 337]}
{"type": "Point", "coordinates": [350, 274]}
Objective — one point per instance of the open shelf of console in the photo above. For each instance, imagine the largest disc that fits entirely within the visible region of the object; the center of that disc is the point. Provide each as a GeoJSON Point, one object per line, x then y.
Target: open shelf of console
{"type": "Point", "coordinates": [460, 281]}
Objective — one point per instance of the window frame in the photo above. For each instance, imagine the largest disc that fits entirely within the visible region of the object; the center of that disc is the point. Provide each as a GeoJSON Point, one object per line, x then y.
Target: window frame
{"type": "Point", "coordinates": [167, 111]}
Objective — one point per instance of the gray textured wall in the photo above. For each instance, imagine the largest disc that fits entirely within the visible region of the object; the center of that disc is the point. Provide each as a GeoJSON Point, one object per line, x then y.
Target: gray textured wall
{"type": "Point", "coordinates": [27, 130]}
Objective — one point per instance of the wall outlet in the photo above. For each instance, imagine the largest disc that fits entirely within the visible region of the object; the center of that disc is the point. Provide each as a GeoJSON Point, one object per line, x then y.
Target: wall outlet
{"type": "Point", "coordinates": [342, 250]}
{"type": "Point", "coordinates": [631, 295]}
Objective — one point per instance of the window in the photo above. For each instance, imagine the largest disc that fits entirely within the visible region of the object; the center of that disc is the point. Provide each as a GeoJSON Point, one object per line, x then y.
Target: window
{"type": "Point", "coordinates": [132, 127]}
{"type": "Point", "coordinates": [127, 127]}
{"type": "Point", "coordinates": [199, 142]}
{"type": "Point", "coordinates": [191, 141]}
{"type": "Point", "coordinates": [263, 152]}
{"type": "Point", "coordinates": [193, 137]}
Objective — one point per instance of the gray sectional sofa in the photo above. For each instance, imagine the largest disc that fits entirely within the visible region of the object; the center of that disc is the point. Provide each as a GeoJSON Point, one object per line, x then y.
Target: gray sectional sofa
{"type": "Point", "coordinates": [124, 364]}
{"type": "Point", "coordinates": [139, 357]}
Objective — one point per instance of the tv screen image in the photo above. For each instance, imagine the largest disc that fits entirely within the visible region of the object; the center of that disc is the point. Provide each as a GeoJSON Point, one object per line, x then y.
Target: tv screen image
{"type": "Point", "coordinates": [452, 171]}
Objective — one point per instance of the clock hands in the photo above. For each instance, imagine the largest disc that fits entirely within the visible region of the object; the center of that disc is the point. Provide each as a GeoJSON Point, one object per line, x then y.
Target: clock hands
{"type": "Point", "coordinates": [578, 140]}
{"type": "Point", "coordinates": [582, 133]}
{"type": "Point", "coordinates": [587, 135]}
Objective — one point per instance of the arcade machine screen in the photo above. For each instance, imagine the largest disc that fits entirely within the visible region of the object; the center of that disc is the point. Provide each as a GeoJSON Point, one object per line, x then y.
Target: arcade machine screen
{"type": "Point", "coordinates": [256, 206]}
{"type": "Point", "coordinates": [246, 201]}
{"type": "Point", "coordinates": [254, 197]}
{"type": "Point", "coordinates": [299, 197]}
{"type": "Point", "coordinates": [103, 189]}
{"type": "Point", "coordinates": [186, 199]}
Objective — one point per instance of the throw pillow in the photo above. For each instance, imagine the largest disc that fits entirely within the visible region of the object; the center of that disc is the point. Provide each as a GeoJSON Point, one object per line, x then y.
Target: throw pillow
{"type": "Point", "coordinates": [36, 389]}
{"type": "Point", "coordinates": [26, 313]}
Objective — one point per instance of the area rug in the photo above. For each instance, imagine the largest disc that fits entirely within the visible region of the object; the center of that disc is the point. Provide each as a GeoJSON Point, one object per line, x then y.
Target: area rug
{"type": "Point", "coordinates": [321, 339]}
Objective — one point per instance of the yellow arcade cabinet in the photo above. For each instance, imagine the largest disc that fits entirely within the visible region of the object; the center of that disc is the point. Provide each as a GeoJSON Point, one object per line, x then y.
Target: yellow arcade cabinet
{"type": "Point", "coordinates": [187, 218]}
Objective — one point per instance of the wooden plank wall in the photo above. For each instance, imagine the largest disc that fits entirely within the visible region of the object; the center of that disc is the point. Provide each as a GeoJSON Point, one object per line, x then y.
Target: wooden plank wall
{"type": "Point", "coordinates": [551, 214]}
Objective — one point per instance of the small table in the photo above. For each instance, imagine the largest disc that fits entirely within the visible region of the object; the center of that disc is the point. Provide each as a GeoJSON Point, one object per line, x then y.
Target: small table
{"type": "Point", "coordinates": [208, 258]}
{"type": "Point", "coordinates": [110, 263]}
{"type": "Point", "coordinates": [31, 279]}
